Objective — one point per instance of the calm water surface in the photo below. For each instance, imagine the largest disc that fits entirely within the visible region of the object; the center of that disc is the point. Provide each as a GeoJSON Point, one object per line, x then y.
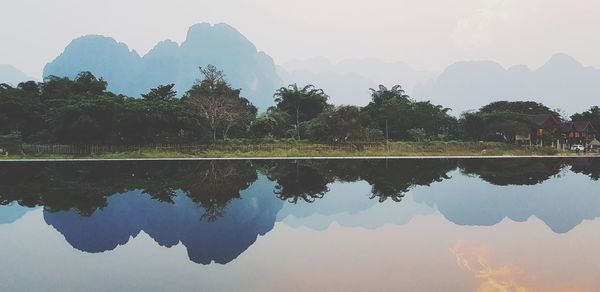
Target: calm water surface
{"type": "Point", "coordinates": [310, 225]}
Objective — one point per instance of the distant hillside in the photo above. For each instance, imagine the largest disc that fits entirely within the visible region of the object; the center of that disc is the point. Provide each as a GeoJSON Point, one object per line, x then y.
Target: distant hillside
{"type": "Point", "coordinates": [168, 62]}
{"type": "Point", "coordinates": [348, 82]}
{"type": "Point", "coordinates": [12, 76]}
{"type": "Point", "coordinates": [561, 83]}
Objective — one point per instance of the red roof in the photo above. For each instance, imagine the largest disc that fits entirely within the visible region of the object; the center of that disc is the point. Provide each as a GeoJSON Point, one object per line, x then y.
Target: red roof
{"type": "Point", "coordinates": [578, 126]}
{"type": "Point", "coordinates": [541, 119]}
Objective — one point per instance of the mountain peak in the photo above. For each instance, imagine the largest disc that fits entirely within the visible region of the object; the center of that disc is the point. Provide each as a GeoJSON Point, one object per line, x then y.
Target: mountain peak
{"type": "Point", "coordinates": [169, 62]}
{"type": "Point", "coordinates": [561, 61]}
{"type": "Point", "coordinates": [9, 74]}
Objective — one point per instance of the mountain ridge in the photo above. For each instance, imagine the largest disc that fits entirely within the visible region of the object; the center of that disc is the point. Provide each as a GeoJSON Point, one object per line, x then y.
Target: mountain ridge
{"type": "Point", "coordinates": [131, 74]}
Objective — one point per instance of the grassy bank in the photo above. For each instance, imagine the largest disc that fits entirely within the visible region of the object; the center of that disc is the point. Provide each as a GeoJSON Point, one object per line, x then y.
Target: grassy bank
{"type": "Point", "coordinates": [312, 150]}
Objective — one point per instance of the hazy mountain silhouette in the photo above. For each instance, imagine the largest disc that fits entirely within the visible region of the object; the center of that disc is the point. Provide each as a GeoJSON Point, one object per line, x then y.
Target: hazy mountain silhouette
{"type": "Point", "coordinates": [12, 76]}
{"type": "Point", "coordinates": [126, 215]}
{"type": "Point", "coordinates": [561, 83]}
{"type": "Point", "coordinates": [348, 82]}
{"type": "Point", "coordinates": [12, 212]}
{"type": "Point", "coordinates": [169, 62]}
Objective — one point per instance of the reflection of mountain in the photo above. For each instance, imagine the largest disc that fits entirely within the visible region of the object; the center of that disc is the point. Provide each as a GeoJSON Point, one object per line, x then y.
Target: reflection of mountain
{"type": "Point", "coordinates": [520, 172]}
{"type": "Point", "coordinates": [217, 209]}
{"type": "Point", "coordinates": [349, 205]}
{"type": "Point", "coordinates": [169, 62]}
{"type": "Point", "coordinates": [562, 203]}
{"type": "Point", "coordinates": [12, 212]}
{"type": "Point", "coordinates": [126, 215]}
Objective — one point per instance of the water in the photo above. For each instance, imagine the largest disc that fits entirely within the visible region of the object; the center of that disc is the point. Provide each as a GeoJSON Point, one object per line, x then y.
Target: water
{"type": "Point", "coordinates": [311, 225]}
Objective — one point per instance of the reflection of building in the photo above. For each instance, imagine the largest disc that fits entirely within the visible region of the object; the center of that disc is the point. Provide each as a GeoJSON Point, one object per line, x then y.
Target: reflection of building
{"type": "Point", "coordinates": [545, 126]}
{"type": "Point", "coordinates": [580, 132]}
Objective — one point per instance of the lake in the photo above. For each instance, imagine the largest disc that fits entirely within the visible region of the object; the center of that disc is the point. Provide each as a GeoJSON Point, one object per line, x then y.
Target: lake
{"type": "Point", "coordinates": [306, 225]}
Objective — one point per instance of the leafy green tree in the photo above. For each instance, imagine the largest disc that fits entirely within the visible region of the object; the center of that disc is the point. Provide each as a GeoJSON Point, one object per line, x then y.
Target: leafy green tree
{"type": "Point", "coordinates": [417, 134]}
{"type": "Point", "coordinates": [273, 123]}
{"type": "Point", "coordinates": [301, 104]}
{"type": "Point", "coordinates": [344, 123]}
{"type": "Point", "coordinates": [162, 92]}
{"type": "Point", "coordinates": [395, 113]}
{"type": "Point", "coordinates": [520, 107]}
{"type": "Point", "coordinates": [20, 111]}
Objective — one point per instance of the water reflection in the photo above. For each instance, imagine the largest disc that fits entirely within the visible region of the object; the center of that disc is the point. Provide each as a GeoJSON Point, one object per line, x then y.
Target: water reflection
{"type": "Point", "coordinates": [218, 209]}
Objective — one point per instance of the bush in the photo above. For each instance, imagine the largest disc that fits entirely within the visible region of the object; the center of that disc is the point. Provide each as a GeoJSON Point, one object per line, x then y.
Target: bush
{"type": "Point", "coordinates": [11, 143]}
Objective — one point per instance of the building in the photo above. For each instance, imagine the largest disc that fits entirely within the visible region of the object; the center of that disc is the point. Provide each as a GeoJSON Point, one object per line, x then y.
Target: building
{"type": "Point", "coordinates": [546, 128]}
{"type": "Point", "coordinates": [580, 132]}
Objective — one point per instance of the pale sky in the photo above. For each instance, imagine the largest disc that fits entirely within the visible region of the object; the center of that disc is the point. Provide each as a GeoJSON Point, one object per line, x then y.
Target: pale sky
{"type": "Point", "coordinates": [427, 34]}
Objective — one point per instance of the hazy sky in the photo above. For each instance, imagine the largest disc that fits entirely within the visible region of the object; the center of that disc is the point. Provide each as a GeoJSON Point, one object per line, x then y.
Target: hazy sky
{"type": "Point", "coordinates": [428, 34]}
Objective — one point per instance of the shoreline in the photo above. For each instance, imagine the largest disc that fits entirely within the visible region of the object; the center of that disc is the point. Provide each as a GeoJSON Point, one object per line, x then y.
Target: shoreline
{"type": "Point", "coordinates": [303, 158]}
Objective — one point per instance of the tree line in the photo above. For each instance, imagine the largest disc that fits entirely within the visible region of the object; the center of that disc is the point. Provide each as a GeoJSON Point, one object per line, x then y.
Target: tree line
{"type": "Point", "coordinates": [83, 111]}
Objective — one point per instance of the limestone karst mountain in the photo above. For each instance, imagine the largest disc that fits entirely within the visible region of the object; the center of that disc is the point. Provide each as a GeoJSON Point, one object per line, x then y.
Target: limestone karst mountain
{"type": "Point", "coordinates": [169, 62]}
{"type": "Point", "coordinates": [562, 83]}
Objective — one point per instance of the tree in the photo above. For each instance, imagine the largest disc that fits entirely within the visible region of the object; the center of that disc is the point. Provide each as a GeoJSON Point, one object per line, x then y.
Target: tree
{"type": "Point", "coordinates": [382, 94]}
{"type": "Point", "coordinates": [394, 112]}
{"type": "Point", "coordinates": [162, 92]}
{"type": "Point", "coordinates": [520, 107]}
{"type": "Point", "coordinates": [496, 126]}
{"type": "Point", "coordinates": [302, 104]}
{"type": "Point", "coordinates": [213, 99]}
{"type": "Point", "coordinates": [273, 123]}
{"type": "Point", "coordinates": [344, 123]}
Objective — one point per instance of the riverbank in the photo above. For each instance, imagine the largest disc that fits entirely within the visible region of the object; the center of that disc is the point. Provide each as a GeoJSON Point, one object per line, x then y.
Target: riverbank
{"type": "Point", "coordinates": [393, 150]}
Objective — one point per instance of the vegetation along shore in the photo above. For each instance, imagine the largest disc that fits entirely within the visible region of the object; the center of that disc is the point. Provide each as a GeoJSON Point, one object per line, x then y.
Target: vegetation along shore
{"type": "Point", "coordinates": [63, 118]}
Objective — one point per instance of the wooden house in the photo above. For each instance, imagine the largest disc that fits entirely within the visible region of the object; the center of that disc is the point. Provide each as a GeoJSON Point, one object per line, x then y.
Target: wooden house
{"type": "Point", "coordinates": [544, 126]}
{"type": "Point", "coordinates": [579, 132]}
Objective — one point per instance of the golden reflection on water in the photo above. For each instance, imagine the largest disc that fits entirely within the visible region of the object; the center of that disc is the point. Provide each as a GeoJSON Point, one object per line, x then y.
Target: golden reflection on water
{"type": "Point", "coordinates": [477, 258]}
{"type": "Point", "coordinates": [504, 278]}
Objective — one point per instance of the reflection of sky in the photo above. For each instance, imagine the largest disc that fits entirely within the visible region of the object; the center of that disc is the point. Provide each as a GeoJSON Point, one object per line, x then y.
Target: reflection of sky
{"type": "Point", "coordinates": [562, 203]}
{"type": "Point", "coordinates": [461, 234]}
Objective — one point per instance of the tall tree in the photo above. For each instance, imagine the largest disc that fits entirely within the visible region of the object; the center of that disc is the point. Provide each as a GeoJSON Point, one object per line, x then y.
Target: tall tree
{"type": "Point", "coordinates": [162, 92]}
{"type": "Point", "coordinates": [302, 104]}
{"type": "Point", "coordinates": [213, 99]}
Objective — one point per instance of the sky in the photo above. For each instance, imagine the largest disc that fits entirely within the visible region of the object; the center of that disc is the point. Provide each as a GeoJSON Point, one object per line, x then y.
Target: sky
{"type": "Point", "coordinates": [427, 34]}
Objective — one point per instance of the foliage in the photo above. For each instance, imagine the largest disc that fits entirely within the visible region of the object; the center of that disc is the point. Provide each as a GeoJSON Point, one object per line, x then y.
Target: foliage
{"type": "Point", "coordinates": [341, 124]}
{"type": "Point", "coordinates": [162, 92]}
{"type": "Point", "coordinates": [218, 103]}
{"type": "Point", "coordinates": [395, 113]}
{"type": "Point", "coordinates": [301, 104]}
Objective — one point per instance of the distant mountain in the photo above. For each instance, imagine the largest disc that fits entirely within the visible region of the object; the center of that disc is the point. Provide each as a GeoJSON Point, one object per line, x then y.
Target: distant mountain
{"type": "Point", "coordinates": [562, 83]}
{"type": "Point", "coordinates": [12, 76]}
{"type": "Point", "coordinates": [169, 62]}
{"type": "Point", "coordinates": [348, 82]}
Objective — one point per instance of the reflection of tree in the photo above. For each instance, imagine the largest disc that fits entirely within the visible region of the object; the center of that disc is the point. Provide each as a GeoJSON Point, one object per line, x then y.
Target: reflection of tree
{"type": "Point", "coordinates": [86, 186]}
{"type": "Point", "coordinates": [214, 185]}
{"type": "Point", "coordinates": [298, 180]}
{"type": "Point", "coordinates": [587, 166]}
{"type": "Point", "coordinates": [503, 172]}
{"type": "Point", "coordinates": [392, 179]}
